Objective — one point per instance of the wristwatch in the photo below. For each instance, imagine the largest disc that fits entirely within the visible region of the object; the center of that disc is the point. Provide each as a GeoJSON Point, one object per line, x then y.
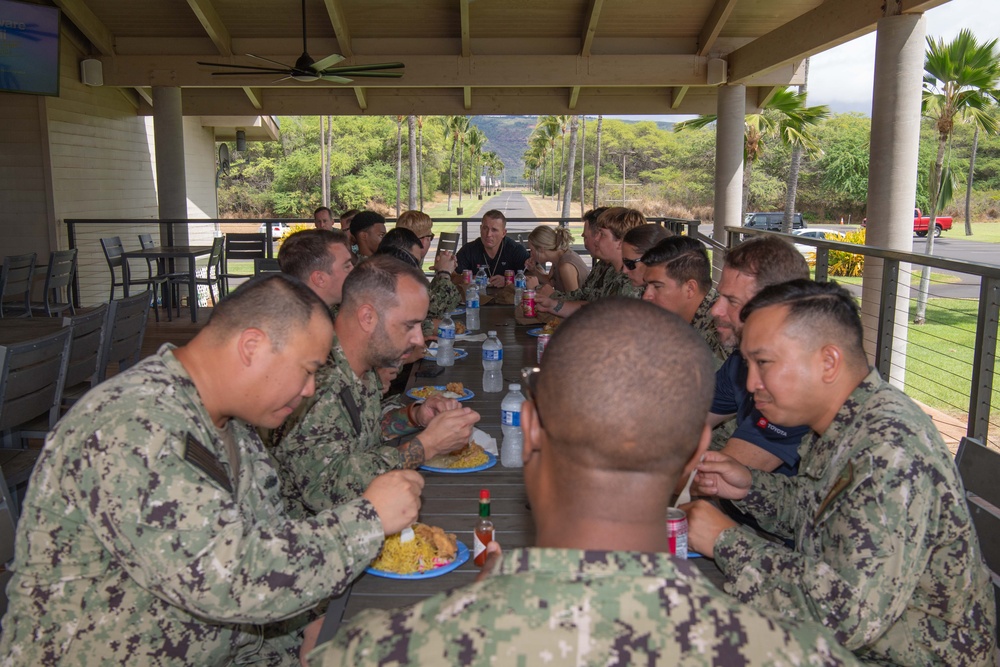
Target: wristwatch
{"type": "Point", "coordinates": [559, 305]}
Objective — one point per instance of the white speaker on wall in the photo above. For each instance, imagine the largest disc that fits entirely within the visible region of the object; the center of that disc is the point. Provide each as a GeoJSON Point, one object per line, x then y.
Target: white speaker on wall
{"type": "Point", "coordinates": [717, 71]}
{"type": "Point", "coordinates": [91, 72]}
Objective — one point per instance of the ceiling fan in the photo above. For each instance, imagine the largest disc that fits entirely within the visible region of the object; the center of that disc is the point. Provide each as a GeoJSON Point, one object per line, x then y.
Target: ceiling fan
{"type": "Point", "coordinates": [307, 69]}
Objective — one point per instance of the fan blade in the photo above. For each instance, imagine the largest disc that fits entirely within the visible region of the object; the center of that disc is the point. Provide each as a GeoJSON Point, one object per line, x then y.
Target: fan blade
{"type": "Point", "coordinates": [253, 73]}
{"type": "Point", "coordinates": [381, 75]}
{"type": "Point", "coordinates": [336, 79]}
{"type": "Point", "coordinates": [274, 62]}
{"type": "Point", "coordinates": [363, 68]}
{"type": "Point", "coordinates": [323, 63]}
{"type": "Point", "coordinates": [255, 68]}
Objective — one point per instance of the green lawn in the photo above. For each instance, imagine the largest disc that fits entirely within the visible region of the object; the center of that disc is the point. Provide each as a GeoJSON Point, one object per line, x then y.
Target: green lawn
{"type": "Point", "coordinates": [988, 232]}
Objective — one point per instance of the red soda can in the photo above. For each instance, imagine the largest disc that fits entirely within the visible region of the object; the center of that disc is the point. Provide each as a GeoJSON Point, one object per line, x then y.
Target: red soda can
{"type": "Point", "coordinates": [467, 276]}
{"type": "Point", "coordinates": [528, 303]}
{"type": "Point", "coordinates": [508, 277]}
{"type": "Point", "coordinates": [677, 532]}
{"type": "Point", "coordinates": [543, 340]}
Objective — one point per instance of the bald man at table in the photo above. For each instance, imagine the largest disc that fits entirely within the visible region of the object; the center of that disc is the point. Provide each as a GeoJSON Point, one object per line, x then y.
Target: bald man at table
{"type": "Point", "coordinates": [600, 461]}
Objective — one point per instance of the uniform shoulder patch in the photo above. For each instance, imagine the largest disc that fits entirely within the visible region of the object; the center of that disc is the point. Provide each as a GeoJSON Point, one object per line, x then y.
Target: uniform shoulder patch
{"type": "Point", "coordinates": [198, 455]}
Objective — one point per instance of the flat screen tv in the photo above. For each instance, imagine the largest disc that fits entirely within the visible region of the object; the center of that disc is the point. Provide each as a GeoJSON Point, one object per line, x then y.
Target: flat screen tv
{"type": "Point", "coordinates": [29, 48]}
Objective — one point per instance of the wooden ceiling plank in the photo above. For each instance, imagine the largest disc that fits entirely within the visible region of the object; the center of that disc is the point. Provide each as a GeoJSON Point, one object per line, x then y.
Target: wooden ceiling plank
{"type": "Point", "coordinates": [146, 94]}
{"type": "Point", "coordinates": [466, 38]}
{"type": "Point", "coordinates": [828, 25]}
{"type": "Point", "coordinates": [87, 22]}
{"type": "Point", "coordinates": [574, 96]}
{"type": "Point", "coordinates": [254, 94]}
{"type": "Point", "coordinates": [213, 25]}
{"type": "Point", "coordinates": [362, 98]}
{"type": "Point", "coordinates": [467, 97]}
{"type": "Point", "coordinates": [593, 16]}
{"type": "Point", "coordinates": [340, 27]}
{"type": "Point", "coordinates": [677, 96]}
{"type": "Point", "coordinates": [713, 25]}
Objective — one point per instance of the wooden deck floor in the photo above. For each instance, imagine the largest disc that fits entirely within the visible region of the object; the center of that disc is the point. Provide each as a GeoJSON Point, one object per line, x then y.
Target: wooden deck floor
{"type": "Point", "coordinates": [178, 332]}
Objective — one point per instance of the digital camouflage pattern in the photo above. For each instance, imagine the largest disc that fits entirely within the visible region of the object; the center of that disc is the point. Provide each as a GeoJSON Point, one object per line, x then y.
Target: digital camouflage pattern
{"type": "Point", "coordinates": [704, 324]}
{"type": "Point", "coordinates": [444, 296]}
{"type": "Point", "coordinates": [133, 550]}
{"type": "Point", "coordinates": [322, 457]}
{"type": "Point", "coordinates": [603, 281]}
{"type": "Point", "coordinates": [571, 607]}
{"type": "Point", "coordinates": [885, 554]}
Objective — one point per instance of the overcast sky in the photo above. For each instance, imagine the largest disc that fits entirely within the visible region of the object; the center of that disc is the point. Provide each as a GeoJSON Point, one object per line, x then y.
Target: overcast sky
{"type": "Point", "coordinates": [842, 77]}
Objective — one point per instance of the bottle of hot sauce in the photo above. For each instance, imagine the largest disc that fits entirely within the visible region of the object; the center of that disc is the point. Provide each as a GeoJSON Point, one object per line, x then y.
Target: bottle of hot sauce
{"type": "Point", "coordinates": [483, 533]}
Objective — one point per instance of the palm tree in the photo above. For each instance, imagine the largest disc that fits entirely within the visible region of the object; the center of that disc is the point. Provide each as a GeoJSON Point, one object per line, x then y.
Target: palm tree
{"type": "Point", "coordinates": [420, 157]}
{"type": "Point", "coordinates": [961, 80]}
{"type": "Point", "coordinates": [411, 128]}
{"type": "Point", "coordinates": [476, 140]}
{"type": "Point", "coordinates": [583, 158]}
{"type": "Point", "coordinates": [785, 117]}
{"type": "Point", "coordinates": [550, 130]}
{"type": "Point", "coordinates": [994, 112]}
{"type": "Point", "coordinates": [568, 194]}
{"type": "Point", "coordinates": [793, 170]}
{"type": "Point", "coordinates": [597, 159]}
{"type": "Point", "coordinates": [456, 126]}
{"type": "Point", "coordinates": [563, 123]}
{"type": "Point", "coordinates": [399, 161]}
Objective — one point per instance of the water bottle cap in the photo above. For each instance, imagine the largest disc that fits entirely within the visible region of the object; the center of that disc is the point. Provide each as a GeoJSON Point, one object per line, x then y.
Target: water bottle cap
{"type": "Point", "coordinates": [515, 387]}
{"type": "Point", "coordinates": [491, 333]}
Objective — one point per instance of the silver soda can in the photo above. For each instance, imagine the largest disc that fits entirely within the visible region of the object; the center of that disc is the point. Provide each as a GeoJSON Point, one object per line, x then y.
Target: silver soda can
{"type": "Point", "coordinates": [528, 303]}
{"type": "Point", "coordinates": [677, 532]}
{"type": "Point", "coordinates": [543, 340]}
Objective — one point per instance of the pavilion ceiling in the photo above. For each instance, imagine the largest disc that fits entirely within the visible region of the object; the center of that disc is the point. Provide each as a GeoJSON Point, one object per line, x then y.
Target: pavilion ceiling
{"type": "Point", "coordinates": [470, 56]}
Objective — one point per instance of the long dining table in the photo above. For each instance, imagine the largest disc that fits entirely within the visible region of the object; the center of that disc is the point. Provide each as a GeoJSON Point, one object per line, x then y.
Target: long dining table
{"type": "Point", "coordinates": [451, 501]}
{"type": "Point", "coordinates": [174, 252]}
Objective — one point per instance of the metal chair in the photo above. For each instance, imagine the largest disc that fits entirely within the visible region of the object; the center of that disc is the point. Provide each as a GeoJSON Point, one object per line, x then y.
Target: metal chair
{"type": "Point", "coordinates": [15, 281]}
{"type": "Point", "coordinates": [124, 329]}
{"type": "Point", "coordinates": [213, 274]}
{"type": "Point", "coordinates": [32, 375]}
{"type": "Point", "coordinates": [266, 265]}
{"type": "Point", "coordinates": [58, 276]}
{"type": "Point", "coordinates": [86, 339]}
{"type": "Point", "coordinates": [113, 250]}
{"type": "Point", "coordinates": [242, 247]}
{"type": "Point", "coordinates": [979, 468]}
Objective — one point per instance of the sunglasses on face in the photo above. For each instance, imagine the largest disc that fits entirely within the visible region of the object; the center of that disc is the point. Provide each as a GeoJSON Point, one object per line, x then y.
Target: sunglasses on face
{"type": "Point", "coordinates": [630, 264]}
{"type": "Point", "coordinates": [429, 237]}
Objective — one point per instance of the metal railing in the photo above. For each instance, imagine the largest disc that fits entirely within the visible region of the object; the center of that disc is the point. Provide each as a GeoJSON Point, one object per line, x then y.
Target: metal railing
{"type": "Point", "coordinates": [951, 365]}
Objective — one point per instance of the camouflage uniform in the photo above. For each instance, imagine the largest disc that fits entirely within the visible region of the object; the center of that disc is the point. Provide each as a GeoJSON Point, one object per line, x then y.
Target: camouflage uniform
{"type": "Point", "coordinates": [885, 552]}
{"type": "Point", "coordinates": [140, 544]}
{"type": "Point", "coordinates": [571, 607]}
{"type": "Point", "coordinates": [324, 457]}
{"type": "Point", "coordinates": [704, 324]}
{"type": "Point", "coordinates": [445, 296]}
{"type": "Point", "coordinates": [607, 282]}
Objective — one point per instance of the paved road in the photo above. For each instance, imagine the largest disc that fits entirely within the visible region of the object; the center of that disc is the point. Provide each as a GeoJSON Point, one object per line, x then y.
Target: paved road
{"type": "Point", "coordinates": [964, 249]}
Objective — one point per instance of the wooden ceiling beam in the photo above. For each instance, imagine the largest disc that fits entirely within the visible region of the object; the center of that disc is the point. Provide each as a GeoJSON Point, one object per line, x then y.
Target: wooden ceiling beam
{"type": "Point", "coordinates": [677, 96]}
{"type": "Point", "coordinates": [590, 28]}
{"type": "Point", "coordinates": [340, 27]}
{"type": "Point", "coordinates": [828, 25]}
{"type": "Point", "coordinates": [574, 96]}
{"type": "Point", "coordinates": [467, 97]}
{"type": "Point", "coordinates": [713, 25]}
{"type": "Point", "coordinates": [466, 33]}
{"type": "Point", "coordinates": [213, 25]}
{"type": "Point", "coordinates": [254, 95]}
{"type": "Point", "coordinates": [361, 97]}
{"type": "Point", "coordinates": [146, 94]}
{"type": "Point", "coordinates": [88, 23]}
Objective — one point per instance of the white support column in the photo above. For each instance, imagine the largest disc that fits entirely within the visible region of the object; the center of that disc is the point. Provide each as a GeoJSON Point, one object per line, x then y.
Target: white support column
{"type": "Point", "coordinates": [171, 186]}
{"type": "Point", "coordinates": [729, 128]}
{"type": "Point", "coordinates": [892, 180]}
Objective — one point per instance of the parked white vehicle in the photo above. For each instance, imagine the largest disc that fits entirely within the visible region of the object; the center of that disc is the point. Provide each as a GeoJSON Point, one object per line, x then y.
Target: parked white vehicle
{"type": "Point", "coordinates": [809, 251]}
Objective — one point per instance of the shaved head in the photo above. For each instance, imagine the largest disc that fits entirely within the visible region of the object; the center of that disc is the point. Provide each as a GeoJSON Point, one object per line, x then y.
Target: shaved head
{"type": "Point", "coordinates": [611, 401]}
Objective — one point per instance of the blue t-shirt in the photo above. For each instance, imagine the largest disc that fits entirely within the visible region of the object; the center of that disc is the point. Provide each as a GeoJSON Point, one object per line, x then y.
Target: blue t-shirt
{"type": "Point", "coordinates": [731, 396]}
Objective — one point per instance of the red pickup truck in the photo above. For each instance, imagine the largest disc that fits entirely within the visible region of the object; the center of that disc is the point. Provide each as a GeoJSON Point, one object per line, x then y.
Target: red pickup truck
{"type": "Point", "coordinates": [922, 222]}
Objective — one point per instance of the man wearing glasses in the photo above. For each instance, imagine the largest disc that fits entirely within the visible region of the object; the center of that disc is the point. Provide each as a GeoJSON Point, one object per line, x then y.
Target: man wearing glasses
{"type": "Point", "coordinates": [444, 294]}
{"type": "Point", "coordinates": [600, 586]}
{"type": "Point", "coordinates": [493, 250]}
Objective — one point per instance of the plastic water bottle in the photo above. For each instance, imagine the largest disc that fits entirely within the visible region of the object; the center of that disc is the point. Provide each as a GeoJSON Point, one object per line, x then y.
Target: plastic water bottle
{"type": "Point", "coordinates": [472, 308]}
{"type": "Point", "coordinates": [520, 284]}
{"type": "Point", "coordinates": [446, 342]}
{"type": "Point", "coordinates": [492, 364]}
{"type": "Point", "coordinates": [482, 279]}
{"type": "Point", "coordinates": [510, 422]}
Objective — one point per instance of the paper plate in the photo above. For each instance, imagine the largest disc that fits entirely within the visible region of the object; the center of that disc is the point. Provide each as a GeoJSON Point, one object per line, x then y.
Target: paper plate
{"type": "Point", "coordinates": [537, 331]}
{"type": "Point", "coordinates": [460, 559]}
{"type": "Point", "coordinates": [459, 354]}
{"type": "Point", "coordinates": [492, 461]}
{"type": "Point", "coordinates": [441, 388]}
{"type": "Point", "coordinates": [457, 311]}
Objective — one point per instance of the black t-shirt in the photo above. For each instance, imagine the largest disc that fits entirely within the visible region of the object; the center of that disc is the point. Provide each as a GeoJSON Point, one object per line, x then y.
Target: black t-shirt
{"type": "Point", "coordinates": [511, 256]}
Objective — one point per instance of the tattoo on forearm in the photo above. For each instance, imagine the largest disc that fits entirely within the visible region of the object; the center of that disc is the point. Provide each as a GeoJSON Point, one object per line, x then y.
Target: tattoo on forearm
{"type": "Point", "coordinates": [395, 422]}
{"type": "Point", "coordinates": [413, 453]}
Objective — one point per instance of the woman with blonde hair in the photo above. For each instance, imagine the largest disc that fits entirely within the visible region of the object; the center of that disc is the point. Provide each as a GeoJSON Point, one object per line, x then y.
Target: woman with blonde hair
{"type": "Point", "coordinates": [552, 244]}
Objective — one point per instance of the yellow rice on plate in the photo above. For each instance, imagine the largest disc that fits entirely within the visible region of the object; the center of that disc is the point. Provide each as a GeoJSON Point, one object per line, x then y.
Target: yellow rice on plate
{"type": "Point", "coordinates": [430, 548]}
{"type": "Point", "coordinates": [470, 456]}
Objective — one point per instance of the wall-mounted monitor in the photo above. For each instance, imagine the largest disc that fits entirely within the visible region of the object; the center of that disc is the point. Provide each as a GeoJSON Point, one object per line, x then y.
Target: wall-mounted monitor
{"type": "Point", "coordinates": [29, 48]}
